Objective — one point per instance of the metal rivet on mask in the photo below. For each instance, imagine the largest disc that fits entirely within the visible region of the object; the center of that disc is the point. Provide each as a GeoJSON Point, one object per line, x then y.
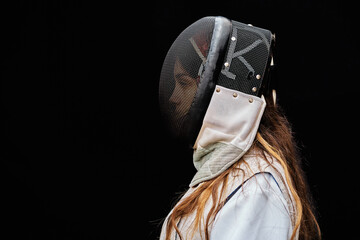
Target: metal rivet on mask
{"type": "Point", "coordinates": [258, 76]}
{"type": "Point", "coordinates": [251, 100]}
{"type": "Point", "coordinates": [226, 64]}
{"type": "Point", "coordinates": [254, 89]}
{"type": "Point", "coordinates": [233, 38]}
{"type": "Point", "coordinates": [217, 89]}
{"type": "Point", "coordinates": [235, 94]}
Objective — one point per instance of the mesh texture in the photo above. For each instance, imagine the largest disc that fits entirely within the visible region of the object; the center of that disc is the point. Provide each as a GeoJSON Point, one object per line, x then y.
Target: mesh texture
{"type": "Point", "coordinates": [181, 72]}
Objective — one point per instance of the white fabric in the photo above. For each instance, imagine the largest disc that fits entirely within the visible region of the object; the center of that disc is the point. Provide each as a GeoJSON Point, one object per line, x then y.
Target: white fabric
{"type": "Point", "coordinates": [257, 211]}
{"type": "Point", "coordinates": [230, 119]}
{"type": "Point", "coordinates": [263, 206]}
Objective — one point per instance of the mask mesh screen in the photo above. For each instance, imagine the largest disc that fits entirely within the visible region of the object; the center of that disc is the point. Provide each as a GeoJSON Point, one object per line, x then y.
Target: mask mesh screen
{"type": "Point", "coordinates": [181, 72]}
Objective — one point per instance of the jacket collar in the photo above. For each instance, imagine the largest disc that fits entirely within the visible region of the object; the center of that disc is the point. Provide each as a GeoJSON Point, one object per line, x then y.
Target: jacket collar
{"type": "Point", "coordinates": [228, 131]}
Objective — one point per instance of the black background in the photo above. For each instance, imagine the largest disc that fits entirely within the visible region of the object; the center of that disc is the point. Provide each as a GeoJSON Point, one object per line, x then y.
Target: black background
{"type": "Point", "coordinates": [85, 155]}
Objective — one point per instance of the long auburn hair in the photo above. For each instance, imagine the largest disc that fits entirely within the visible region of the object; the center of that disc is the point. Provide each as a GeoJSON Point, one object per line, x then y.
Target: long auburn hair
{"type": "Point", "coordinates": [274, 138]}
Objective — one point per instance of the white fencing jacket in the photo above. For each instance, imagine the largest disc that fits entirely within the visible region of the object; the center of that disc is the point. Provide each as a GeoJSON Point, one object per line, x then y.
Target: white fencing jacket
{"type": "Point", "coordinates": [258, 206]}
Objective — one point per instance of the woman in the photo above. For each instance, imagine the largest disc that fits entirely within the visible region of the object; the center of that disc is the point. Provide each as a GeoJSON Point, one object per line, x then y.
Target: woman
{"type": "Point", "coordinates": [249, 183]}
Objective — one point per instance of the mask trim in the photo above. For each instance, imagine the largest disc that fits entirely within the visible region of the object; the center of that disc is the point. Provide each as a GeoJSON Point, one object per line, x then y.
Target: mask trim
{"type": "Point", "coordinates": [208, 78]}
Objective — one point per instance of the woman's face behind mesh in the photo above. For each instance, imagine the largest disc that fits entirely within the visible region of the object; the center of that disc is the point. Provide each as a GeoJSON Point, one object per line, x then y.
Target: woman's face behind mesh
{"type": "Point", "coordinates": [180, 74]}
{"type": "Point", "coordinates": [184, 92]}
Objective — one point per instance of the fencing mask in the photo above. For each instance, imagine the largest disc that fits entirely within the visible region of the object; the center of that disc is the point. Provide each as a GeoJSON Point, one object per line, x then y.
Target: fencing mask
{"type": "Point", "coordinates": [213, 56]}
